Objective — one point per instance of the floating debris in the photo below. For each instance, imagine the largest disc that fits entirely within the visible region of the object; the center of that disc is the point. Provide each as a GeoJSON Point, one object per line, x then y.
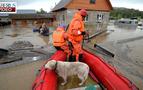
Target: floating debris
{"type": "Point", "coordinates": [3, 52]}
{"type": "Point", "coordinates": [20, 45]}
{"type": "Point", "coordinates": [12, 35]}
{"type": "Point", "coordinates": [11, 58]}
{"type": "Point", "coordinates": [23, 50]}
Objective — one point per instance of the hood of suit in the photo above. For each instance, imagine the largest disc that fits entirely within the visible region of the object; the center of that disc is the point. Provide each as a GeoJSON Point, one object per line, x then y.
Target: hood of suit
{"type": "Point", "coordinates": [77, 16]}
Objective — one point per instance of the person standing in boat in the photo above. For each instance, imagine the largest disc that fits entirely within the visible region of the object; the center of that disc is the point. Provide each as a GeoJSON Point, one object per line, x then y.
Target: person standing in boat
{"type": "Point", "coordinates": [60, 39]}
{"type": "Point", "coordinates": [44, 30]}
{"type": "Point", "coordinates": [76, 32]}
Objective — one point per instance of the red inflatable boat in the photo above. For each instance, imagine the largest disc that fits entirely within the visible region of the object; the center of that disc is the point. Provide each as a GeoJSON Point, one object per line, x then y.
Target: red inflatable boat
{"type": "Point", "coordinates": [101, 71]}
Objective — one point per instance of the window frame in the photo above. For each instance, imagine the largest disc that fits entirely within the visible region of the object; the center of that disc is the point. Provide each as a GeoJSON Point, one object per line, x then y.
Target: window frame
{"type": "Point", "coordinates": [92, 1]}
{"type": "Point", "coordinates": [100, 17]}
{"type": "Point", "coordinates": [86, 19]}
{"type": "Point", "coordinates": [63, 17]}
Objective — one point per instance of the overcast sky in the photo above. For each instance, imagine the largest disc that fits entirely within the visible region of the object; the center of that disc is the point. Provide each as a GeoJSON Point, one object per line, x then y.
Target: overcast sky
{"type": "Point", "coordinates": [49, 4]}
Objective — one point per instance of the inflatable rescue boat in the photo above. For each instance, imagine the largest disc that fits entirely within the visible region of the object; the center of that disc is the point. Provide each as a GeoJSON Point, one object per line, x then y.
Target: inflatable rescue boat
{"type": "Point", "coordinates": [102, 73]}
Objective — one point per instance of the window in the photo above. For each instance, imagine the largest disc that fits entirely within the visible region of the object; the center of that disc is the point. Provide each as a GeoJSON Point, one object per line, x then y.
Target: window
{"type": "Point", "coordinates": [92, 1]}
{"type": "Point", "coordinates": [63, 17]}
{"type": "Point", "coordinates": [100, 17]}
{"type": "Point", "coordinates": [86, 19]}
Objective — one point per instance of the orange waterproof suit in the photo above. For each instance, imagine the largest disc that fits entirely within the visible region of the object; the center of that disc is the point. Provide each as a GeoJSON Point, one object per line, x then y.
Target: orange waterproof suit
{"type": "Point", "coordinates": [75, 36]}
{"type": "Point", "coordinates": [59, 40]}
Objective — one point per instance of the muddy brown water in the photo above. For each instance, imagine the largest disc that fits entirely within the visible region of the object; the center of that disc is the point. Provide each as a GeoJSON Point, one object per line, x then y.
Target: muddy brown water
{"type": "Point", "coordinates": [127, 45]}
{"type": "Point", "coordinates": [19, 77]}
{"type": "Point", "coordinates": [124, 42]}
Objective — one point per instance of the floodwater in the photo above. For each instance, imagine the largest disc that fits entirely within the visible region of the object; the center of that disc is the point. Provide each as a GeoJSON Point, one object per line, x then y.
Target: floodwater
{"type": "Point", "coordinates": [10, 34]}
{"type": "Point", "coordinates": [20, 77]}
{"type": "Point", "coordinates": [125, 42]}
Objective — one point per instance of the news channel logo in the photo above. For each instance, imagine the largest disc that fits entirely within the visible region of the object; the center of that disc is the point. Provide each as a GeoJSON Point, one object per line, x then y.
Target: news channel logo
{"type": "Point", "coordinates": [8, 7]}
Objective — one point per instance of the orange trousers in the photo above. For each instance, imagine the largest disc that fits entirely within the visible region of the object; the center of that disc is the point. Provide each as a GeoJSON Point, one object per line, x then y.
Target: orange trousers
{"type": "Point", "coordinates": [77, 49]}
{"type": "Point", "coordinates": [66, 50]}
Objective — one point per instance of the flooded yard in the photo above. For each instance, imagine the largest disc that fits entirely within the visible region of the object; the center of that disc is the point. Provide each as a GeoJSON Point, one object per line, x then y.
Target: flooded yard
{"type": "Point", "coordinates": [125, 42]}
{"type": "Point", "coordinates": [127, 45]}
{"type": "Point", "coordinates": [9, 34]}
{"type": "Point", "coordinates": [20, 75]}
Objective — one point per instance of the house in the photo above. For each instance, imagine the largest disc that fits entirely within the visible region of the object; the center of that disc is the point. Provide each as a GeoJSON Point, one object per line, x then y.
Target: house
{"type": "Point", "coordinates": [4, 19]}
{"type": "Point", "coordinates": [98, 13]}
{"type": "Point", "coordinates": [25, 11]}
{"type": "Point", "coordinates": [126, 21]}
{"type": "Point", "coordinates": [27, 17]}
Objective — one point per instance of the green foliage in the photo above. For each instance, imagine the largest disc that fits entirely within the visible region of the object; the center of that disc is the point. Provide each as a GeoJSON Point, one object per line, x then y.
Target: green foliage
{"type": "Point", "coordinates": [118, 13]}
{"type": "Point", "coordinates": [41, 11]}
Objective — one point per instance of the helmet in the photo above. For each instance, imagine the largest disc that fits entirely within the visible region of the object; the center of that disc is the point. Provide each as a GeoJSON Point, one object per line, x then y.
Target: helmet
{"type": "Point", "coordinates": [62, 26]}
{"type": "Point", "coordinates": [83, 12]}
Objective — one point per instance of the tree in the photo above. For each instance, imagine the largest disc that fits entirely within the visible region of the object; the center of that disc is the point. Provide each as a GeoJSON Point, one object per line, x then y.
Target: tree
{"type": "Point", "coordinates": [41, 11]}
{"type": "Point", "coordinates": [118, 13]}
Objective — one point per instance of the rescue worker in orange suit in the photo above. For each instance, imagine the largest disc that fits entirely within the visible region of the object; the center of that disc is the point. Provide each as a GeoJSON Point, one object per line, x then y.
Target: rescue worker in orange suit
{"type": "Point", "coordinates": [76, 32]}
{"type": "Point", "coordinates": [60, 40]}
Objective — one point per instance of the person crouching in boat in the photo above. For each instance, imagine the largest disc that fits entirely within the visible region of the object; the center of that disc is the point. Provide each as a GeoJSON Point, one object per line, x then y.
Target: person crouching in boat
{"type": "Point", "coordinates": [76, 32]}
{"type": "Point", "coordinates": [60, 39]}
{"type": "Point", "coordinates": [36, 26]}
{"type": "Point", "coordinates": [44, 30]}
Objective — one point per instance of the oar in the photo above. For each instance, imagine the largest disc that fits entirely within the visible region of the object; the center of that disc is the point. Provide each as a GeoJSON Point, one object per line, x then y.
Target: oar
{"type": "Point", "coordinates": [96, 80]}
{"type": "Point", "coordinates": [3, 50]}
{"type": "Point", "coordinates": [101, 48]}
{"type": "Point", "coordinates": [104, 50]}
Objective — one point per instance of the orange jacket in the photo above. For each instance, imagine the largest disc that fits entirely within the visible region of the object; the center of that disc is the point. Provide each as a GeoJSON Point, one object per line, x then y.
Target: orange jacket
{"type": "Point", "coordinates": [75, 28]}
{"type": "Point", "coordinates": [59, 37]}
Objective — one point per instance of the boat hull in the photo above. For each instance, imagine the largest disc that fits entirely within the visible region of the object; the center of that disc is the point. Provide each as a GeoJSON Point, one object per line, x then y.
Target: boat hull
{"type": "Point", "coordinates": [106, 74]}
{"type": "Point", "coordinates": [47, 79]}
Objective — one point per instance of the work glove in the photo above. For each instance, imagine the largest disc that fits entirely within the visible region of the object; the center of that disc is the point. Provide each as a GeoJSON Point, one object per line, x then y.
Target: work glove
{"type": "Point", "coordinates": [83, 33]}
{"type": "Point", "coordinates": [70, 45]}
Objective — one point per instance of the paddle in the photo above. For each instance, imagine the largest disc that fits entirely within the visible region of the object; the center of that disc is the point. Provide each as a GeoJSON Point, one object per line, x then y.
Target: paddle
{"type": "Point", "coordinates": [104, 50]}
{"type": "Point", "coordinates": [3, 52]}
{"type": "Point", "coordinates": [96, 80]}
{"type": "Point", "coordinates": [71, 58]}
{"type": "Point", "coordinates": [101, 48]}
